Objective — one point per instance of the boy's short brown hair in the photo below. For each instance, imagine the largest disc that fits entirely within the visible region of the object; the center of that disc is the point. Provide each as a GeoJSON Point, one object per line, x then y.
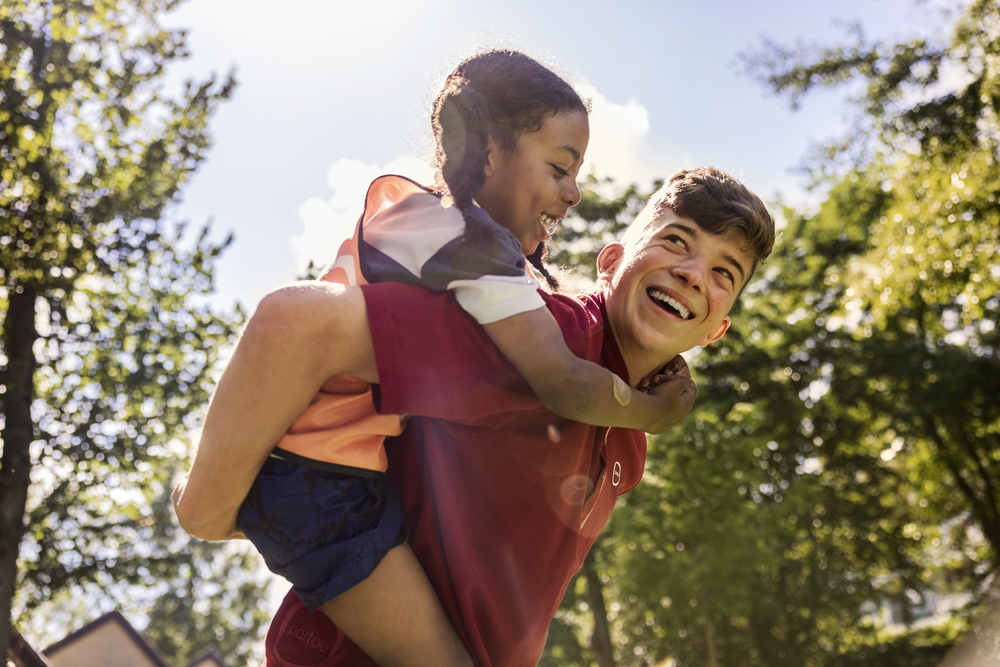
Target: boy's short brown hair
{"type": "Point", "coordinates": [717, 202]}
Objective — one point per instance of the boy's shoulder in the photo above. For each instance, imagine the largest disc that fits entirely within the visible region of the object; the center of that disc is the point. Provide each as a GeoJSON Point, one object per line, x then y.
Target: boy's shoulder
{"type": "Point", "coordinates": [581, 317]}
{"type": "Point", "coordinates": [588, 307]}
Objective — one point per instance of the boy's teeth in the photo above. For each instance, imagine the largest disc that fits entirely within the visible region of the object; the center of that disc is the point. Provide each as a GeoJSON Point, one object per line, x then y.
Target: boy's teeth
{"type": "Point", "coordinates": [673, 303]}
{"type": "Point", "coordinates": [548, 221]}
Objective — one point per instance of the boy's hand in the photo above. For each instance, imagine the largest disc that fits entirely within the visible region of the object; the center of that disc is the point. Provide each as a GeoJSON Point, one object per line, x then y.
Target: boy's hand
{"type": "Point", "coordinates": [677, 390]}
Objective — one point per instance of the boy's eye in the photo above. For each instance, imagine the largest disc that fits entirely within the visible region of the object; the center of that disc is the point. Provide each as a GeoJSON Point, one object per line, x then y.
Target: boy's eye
{"type": "Point", "coordinates": [677, 240]}
{"type": "Point", "coordinates": [726, 273]}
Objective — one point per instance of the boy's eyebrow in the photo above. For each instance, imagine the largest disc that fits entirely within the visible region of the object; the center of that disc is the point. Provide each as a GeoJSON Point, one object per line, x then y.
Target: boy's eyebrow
{"type": "Point", "coordinates": [739, 267]}
{"type": "Point", "coordinates": [695, 233]}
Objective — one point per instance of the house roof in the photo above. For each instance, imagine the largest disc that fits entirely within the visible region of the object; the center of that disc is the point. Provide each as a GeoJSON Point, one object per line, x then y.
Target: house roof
{"type": "Point", "coordinates": [139, 641]}
{"type": "Point", "coordinates": [208, 658]}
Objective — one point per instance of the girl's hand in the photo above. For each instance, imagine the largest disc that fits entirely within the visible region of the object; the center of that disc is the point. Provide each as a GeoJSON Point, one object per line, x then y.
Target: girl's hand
{"type": "Point", "coordinates": [676, 367]}
{"type": "Point", "coordinates": [676, 389]}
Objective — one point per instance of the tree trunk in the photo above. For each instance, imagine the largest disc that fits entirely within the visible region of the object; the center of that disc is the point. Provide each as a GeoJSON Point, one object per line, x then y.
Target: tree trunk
{"type": "Point", "coordinates": [984, 502]}
{"type": "Point", "coordinates": [710, 657]}
{"type": "Point", "coordinates": [600, 641]}
{"type": "Point", "coordinates": [19, 335]}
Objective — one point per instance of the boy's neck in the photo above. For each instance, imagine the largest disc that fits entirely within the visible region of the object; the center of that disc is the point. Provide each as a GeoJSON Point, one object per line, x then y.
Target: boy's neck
{"type": "Point", "coordinates": [640, 363]}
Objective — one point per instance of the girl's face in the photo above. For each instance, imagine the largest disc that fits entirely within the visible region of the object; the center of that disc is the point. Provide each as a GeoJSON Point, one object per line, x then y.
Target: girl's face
{"type": "Point", "coordinates": [529, 189]}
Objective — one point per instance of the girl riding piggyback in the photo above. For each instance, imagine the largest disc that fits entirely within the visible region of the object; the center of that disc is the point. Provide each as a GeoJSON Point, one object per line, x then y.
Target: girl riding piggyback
{"type": "Point", "coordinates": [511, 137]}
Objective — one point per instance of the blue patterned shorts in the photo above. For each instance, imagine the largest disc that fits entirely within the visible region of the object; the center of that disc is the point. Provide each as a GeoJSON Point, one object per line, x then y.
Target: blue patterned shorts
{"type": "Point", "coordinates": [324, 532]}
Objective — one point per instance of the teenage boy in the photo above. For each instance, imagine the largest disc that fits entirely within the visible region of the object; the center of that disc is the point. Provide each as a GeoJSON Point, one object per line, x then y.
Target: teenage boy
{"type": "Point", "coordinates": [503, 498]}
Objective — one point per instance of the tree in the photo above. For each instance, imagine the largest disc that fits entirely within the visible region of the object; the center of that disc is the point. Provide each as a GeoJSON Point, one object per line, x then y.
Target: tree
{"type": "Point", "coordinates": [933, 96]}
{"type": "Point", "coordinates": [869, 355]}
{"type": "Point", "coordinates": [779, 485]}
{"type": "Point", "coordinates": [924, 291]}
{"type": "Point", "coordinates": [107, 349]}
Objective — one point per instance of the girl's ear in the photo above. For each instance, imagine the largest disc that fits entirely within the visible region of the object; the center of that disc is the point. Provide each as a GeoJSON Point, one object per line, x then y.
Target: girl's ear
{"type": "Point", "coordinates": [607, 261]}
{"type": "Point", "coordinates": [490, 159]}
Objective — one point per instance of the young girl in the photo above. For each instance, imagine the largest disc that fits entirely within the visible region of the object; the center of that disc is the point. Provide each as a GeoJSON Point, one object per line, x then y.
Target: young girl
{"type": "Point", "coordinates": [511, 136]}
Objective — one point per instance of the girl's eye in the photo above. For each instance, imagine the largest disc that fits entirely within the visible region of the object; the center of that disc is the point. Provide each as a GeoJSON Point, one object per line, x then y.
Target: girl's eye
{"type": "Point", "coordinates": [559, 170]}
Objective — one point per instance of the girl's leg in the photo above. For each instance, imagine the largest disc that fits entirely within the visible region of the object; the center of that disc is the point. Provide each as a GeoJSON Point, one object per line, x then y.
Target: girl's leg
{"type": "Point", "coordinates": [396, 618]}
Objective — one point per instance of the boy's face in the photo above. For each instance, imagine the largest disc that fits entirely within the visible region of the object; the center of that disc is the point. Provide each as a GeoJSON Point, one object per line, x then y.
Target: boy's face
{"type": "Point", "coordinates": [672, 290]}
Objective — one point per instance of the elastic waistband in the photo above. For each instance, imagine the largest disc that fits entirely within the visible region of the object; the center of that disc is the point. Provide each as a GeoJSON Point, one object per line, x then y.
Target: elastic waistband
{"type": "Point", "coordinates": [325, 466]}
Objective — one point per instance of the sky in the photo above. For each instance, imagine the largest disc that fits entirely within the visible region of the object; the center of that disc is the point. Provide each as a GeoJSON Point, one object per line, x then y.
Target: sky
{"type": "Point", "coordinates": [332, 93]}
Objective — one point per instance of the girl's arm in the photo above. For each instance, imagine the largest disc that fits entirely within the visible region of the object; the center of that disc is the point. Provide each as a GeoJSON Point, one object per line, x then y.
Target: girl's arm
{"type": "Point", "coordinates": [282, 358]}
{"type": "Point", "coordinates": [581, 390]}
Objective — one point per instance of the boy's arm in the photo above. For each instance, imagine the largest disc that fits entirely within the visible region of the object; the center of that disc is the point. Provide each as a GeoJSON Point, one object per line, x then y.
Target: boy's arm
{"type": "Point", "coordinates": [299, 337]}
{"type": "Point", "coordinates": [581, 390]}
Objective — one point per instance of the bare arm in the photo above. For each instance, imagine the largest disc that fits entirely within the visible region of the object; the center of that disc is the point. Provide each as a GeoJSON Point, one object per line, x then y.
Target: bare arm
{"type": "Point", "coordinates": [581, 390]}
{"type": "Point", "coordinates": [299, 337]}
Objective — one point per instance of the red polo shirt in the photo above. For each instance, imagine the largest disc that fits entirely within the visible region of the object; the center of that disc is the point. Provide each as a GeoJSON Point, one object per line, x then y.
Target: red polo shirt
{"type": "Point", "coordinates": [504, 498]}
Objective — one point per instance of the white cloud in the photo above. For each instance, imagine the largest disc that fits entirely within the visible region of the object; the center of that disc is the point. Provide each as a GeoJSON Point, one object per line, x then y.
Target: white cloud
{"type": "Point", "coordinates": [326, 223]}
{"type": "Point", "coordinates": [618, 134]}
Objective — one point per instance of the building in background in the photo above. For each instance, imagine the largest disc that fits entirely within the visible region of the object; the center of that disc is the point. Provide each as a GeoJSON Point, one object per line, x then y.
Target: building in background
{"type": "Point", "coordinates": [109, 641]}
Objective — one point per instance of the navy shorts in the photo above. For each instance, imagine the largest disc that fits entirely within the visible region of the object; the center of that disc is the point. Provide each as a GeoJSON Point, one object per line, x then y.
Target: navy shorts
{"type": "Point", "coordinates": [323, 531]}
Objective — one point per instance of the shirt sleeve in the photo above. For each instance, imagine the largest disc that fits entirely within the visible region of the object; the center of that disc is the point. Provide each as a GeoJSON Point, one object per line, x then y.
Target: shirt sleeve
{"type": "Point", "coordinates": [421, 241]}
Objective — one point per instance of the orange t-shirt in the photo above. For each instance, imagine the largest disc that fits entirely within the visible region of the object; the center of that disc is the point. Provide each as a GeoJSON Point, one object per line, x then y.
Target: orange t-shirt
{"type": "Point", "coordinates": [341, 424]}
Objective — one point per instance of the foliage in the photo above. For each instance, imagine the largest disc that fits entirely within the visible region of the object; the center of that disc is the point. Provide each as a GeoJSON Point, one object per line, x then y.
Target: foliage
{"type": "Point", "coordinates": [921, 302]}
{"type": "Point", "coordinates": [919, 648]}
{"type": "Point", "coordinates": [108, 344]}
{"type": "Point", "coordinates": [932, 95]}
{"type": "Point", "coordinates": [210, 603]}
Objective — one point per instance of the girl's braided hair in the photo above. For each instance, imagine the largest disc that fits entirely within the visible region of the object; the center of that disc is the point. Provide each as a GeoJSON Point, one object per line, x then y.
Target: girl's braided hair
{"type": "Point", "coordinates": [501, 94]}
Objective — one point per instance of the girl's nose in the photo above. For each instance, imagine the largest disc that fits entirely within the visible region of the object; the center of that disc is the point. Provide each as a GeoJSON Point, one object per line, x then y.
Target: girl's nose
{"type": "Point", "coordinates": [572, 193]}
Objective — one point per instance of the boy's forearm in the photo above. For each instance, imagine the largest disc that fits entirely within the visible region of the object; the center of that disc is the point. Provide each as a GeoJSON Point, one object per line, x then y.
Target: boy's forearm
{"type": "Point", "coordinates": [298, 338]}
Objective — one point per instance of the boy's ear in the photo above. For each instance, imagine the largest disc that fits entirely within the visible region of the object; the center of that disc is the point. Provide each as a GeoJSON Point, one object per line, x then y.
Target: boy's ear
{"type": "Point", "coordinates": [608, 259]}
{"type": "Point", "coordinates": [719, 332]}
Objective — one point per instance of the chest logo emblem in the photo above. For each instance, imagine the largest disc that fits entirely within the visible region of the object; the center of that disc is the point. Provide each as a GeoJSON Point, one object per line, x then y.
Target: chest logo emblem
{"type": "Point", "coordinates": [616, 474]}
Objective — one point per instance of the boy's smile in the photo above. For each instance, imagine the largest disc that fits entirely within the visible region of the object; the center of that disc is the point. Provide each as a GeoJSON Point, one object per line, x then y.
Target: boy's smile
{"type": "Point", "coordinates": [671, 291]}
{"type": "Point", "coordinates": [669, 303]}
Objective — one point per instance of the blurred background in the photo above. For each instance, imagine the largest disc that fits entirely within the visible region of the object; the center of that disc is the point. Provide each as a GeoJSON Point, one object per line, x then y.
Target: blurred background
{"type": "Point", "coordinates": [831, 501]}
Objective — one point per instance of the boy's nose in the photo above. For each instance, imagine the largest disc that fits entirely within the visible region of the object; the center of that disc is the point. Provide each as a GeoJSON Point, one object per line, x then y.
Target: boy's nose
{"type": "Point", "coordinates": [690, 271]}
